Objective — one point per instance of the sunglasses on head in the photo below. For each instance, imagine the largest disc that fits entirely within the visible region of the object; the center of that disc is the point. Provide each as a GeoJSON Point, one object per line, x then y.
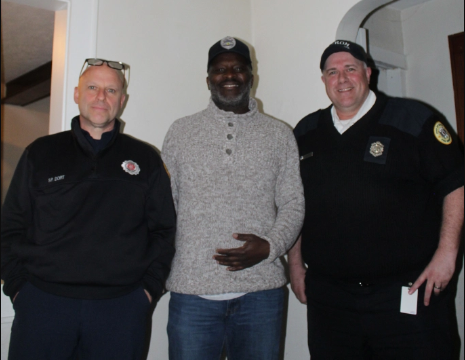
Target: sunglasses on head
{"type": "Point", "coordinates": [117, 65]}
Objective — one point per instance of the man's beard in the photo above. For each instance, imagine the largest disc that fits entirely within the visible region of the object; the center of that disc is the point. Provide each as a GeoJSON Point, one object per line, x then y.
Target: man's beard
{"type": "Point", "coordinates": [240, 100]}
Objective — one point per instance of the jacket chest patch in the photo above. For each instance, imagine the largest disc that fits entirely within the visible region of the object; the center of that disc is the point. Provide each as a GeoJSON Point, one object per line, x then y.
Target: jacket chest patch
{"type": "Point", "coordinates": [131, 167]}
{"type": "Point", "coordinates": [377, 150]}
{"type": "Point", "coordinates": [56, 178]}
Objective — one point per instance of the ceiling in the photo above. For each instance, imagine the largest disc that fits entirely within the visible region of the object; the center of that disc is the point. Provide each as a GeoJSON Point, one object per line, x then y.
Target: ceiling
{"type": "Point", "coordinates": [27, 39]}
{"type": "Point", "coordinates": [405, 4]}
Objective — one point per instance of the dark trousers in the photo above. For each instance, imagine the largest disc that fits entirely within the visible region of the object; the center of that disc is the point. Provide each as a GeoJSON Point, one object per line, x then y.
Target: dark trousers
{"type": "Point", "coordinates": [350, 322]}
{"type": "Point", "coordinates": [49, 327]}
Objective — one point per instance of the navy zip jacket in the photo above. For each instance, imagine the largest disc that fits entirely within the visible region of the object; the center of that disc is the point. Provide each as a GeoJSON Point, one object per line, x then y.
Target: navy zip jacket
{"type": "Point", "coordinates": [85, 225]}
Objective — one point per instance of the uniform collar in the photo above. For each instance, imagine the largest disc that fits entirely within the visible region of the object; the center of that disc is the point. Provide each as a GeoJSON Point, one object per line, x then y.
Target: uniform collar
{"type": "Point", "coordinates": [344, 125]}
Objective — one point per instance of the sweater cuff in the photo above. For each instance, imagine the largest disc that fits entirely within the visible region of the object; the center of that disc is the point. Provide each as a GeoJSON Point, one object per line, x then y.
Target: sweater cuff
{"type": "Point", "coordinates": [275, 251]}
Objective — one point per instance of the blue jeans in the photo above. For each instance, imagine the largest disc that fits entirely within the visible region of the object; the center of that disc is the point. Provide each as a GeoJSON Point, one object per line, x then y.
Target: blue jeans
{"type": "Point", "coordinates": [248, 327]}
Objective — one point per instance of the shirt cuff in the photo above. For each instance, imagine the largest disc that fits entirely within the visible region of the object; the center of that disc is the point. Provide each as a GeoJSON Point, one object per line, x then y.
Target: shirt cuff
{"type": "Point", "coordinates": [452, 182]}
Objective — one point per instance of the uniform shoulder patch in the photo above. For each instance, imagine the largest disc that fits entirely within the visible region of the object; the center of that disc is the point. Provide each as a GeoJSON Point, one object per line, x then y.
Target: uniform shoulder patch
{"type": "Point", "coordinates": [441, 134]}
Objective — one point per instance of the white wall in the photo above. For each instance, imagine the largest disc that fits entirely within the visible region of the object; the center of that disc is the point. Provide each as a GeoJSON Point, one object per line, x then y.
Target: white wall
{"type": "Point", "coordinates": [289, 38]}
{"type": "Point", "coordinates": [166, 44]}
{"type": "Point", "coordinates": [58, 84]}
{"type": "Point", "coordinates": [426, 31]}
{"type": "Point", "coordinates": [386, 47]}
{"type": "Point", "coordinates": [429, 75]}
{"type": "Point", "coordinates": [386, 30]}
{"type": "Point", "coordinates": [420, 34]}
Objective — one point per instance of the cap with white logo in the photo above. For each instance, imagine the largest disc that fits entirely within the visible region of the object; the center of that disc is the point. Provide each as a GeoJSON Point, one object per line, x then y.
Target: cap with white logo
{"type": "Point", "coordinates": [229, 45]}
{"type": "Point", "coordinates": [344, 46]}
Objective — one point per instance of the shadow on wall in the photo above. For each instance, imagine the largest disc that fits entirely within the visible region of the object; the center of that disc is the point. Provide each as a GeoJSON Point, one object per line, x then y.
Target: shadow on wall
{"type": "Point", "coordinates": [253, 93]}
{"type": "Point", "coordinates": [145, 142]}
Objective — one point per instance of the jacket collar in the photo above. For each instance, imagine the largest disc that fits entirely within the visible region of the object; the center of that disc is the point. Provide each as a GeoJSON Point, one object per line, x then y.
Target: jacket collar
{"type": "Point", "coordinates": [82, 141]}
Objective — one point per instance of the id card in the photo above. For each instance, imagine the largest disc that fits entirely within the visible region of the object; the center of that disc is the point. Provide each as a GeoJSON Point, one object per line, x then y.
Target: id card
{"type": "Point", "coordinates": [408, 304]}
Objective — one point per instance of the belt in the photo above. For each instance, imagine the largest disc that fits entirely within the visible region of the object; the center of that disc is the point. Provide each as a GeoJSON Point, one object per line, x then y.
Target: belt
{"type": "Point", "coordinates": [407, 279]}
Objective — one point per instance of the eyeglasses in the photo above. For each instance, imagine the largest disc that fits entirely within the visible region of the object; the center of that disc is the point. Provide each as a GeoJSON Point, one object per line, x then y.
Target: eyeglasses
{"type": "Point", "coordinates": [117, 65]}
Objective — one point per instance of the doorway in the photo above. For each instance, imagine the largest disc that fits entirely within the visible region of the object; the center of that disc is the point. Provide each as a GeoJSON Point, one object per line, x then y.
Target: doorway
{"type": "Point", "coordinates": [457, 62]}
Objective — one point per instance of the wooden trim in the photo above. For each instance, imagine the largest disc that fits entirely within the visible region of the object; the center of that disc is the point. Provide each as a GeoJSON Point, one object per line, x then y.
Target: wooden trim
{"type": "Point", "coordinates": [456, 44]}
{"type": "Point", "coordinates": [30, 87]}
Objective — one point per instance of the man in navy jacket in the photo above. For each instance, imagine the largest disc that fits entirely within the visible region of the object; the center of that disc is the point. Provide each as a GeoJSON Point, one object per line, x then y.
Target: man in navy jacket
{"type": "Point", "coordinates": [87, 233]}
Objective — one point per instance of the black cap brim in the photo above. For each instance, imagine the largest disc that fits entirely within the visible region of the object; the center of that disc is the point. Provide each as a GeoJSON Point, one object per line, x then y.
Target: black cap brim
{"type": "Point", "coordinates": [344, 46]}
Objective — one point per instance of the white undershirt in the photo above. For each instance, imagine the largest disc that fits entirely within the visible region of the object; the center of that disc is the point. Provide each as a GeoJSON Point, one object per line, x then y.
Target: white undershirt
{"type": "Point", "coordinates": [223, 297]}
{"type": "Point", "coordinates": [343, 125]}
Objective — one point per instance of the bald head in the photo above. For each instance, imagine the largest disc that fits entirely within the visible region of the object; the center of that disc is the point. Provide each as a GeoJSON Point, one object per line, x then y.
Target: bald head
{"type": "Point", "coordinates": [118, 73]}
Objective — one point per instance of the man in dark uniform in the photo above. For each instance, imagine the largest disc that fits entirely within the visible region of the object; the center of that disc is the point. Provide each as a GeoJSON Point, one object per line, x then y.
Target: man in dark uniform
{"type": "Point", "coordinates": [383, 182]}
{"type": "Point", "coordinates": [87, 233]}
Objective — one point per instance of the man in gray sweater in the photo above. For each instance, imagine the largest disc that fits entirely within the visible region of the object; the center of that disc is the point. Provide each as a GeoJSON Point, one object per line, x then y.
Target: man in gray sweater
{"type": "Point", "coordinates": [239, 198]}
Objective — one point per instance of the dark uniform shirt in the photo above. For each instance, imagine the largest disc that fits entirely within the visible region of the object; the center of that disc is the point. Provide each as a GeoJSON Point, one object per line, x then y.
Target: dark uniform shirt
{"type": "Point", "coordinates": [374, 194]}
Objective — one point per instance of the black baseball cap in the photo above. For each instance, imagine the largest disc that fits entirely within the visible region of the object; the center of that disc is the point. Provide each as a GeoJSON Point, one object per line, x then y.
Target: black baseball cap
{"type": "Point", "coordinates": [344, 46]}
{"type": "Point", "coordinates": [226, 45]}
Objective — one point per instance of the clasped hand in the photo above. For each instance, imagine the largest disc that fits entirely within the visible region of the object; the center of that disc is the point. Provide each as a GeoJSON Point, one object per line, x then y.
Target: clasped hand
{"type": "Point", "coordinates": [253, 251]}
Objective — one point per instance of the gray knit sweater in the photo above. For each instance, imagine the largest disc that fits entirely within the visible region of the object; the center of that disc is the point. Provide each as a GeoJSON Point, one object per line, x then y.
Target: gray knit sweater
{"type": "Point", "coordinates": [232, 174]}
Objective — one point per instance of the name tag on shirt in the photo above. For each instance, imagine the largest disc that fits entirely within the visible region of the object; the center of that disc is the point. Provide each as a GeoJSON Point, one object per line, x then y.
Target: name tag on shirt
{"type": "Point", "coordinates": [309, 155]}
{"type": "Point", "coordinates": [408, 303]}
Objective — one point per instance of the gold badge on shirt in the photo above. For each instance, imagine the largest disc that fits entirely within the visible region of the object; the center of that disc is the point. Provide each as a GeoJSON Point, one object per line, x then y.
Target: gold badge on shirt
{"type": "Point", "coordinates": [441, 134]}
{"type": "Point", "coordinates": [377, 149]}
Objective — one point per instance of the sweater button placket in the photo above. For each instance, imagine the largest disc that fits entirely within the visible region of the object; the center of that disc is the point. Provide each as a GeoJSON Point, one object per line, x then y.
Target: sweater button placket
{"type": "Point", "coordinates": [230, 145]}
